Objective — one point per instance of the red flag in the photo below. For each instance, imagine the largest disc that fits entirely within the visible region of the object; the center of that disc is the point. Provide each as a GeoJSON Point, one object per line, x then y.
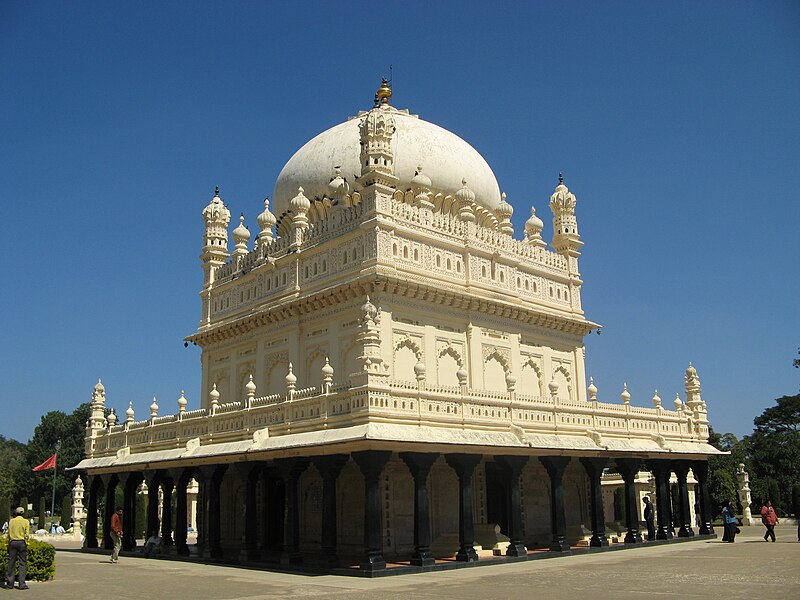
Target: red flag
{"type": "Point", "coordinates": [50, 463]}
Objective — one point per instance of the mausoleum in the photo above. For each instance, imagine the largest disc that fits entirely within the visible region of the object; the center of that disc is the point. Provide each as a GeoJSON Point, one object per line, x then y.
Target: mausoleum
{"type": "Point", "coordinates": [390, 373]}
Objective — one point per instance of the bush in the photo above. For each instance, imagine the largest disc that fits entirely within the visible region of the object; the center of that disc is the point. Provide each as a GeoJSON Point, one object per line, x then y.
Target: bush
{"type": "Point", "coordinates": [41, 559]}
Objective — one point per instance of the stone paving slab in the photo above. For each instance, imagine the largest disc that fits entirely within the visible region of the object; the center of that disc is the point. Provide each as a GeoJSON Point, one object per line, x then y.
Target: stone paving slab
{"type": "Point", "coordinates": [749, 569]}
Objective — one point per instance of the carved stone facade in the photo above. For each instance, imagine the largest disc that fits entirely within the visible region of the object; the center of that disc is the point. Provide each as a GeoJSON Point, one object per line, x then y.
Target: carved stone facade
{"type": "Point", "coordinates": [387, 340]}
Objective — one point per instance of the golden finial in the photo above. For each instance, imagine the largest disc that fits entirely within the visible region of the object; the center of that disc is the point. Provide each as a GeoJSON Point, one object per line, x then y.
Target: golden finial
{"type": "Point", "coordinates": [383, 94]}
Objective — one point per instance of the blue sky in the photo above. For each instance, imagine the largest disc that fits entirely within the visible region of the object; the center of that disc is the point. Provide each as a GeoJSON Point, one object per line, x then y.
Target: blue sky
{"type": "Point", "coordinates": [675, 124]}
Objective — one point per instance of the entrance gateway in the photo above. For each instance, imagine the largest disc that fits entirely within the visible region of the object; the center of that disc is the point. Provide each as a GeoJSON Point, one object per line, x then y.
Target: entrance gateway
{"type": "Point", "coordinates": [390, 374]}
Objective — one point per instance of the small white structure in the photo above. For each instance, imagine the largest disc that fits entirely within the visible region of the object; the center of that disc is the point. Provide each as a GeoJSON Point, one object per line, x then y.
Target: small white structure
{"type": "Point", "coordinates": [743, 478]}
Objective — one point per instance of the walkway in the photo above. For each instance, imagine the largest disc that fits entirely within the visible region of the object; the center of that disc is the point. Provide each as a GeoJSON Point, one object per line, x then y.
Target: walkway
{"type": "Point", "coordinates": [749, 569]}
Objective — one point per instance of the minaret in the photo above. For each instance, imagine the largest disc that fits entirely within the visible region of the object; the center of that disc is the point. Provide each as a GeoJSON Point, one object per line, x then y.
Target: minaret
{"type": "Point", "coordinates": [377, 142]}
{"type": "Point", "coordinates": [97, 419]}
{"type": "Point", "coordinates": [566, 240]}
{"type": "Point", "coordinates": [215, 248]}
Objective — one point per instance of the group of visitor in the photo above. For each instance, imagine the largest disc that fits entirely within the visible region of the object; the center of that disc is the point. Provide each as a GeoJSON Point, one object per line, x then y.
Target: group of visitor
{"type": "Point", "coordinates": [769, 518]}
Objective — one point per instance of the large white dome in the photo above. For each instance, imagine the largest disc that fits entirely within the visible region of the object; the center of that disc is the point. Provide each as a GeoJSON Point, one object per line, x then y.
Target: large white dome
{"type": "Point", "coordinates": [444, 157]}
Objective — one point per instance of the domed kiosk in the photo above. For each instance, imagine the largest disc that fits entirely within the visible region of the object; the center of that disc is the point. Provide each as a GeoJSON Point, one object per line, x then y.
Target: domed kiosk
{"type": "Point", "coordinates": [388, 372]}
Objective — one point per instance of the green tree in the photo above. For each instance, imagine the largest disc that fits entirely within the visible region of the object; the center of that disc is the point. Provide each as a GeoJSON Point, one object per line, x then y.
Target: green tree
{"type": "Point", "coordinates": [54, 426]}
{"type": "Point", "coordinates": [774, 451]}
{"type": "Point", "coordinates": [722, 484]}
{"type": "Point", "coordinates": [12, 458]}
{"type": "Point", "coordinates": [5, 508]}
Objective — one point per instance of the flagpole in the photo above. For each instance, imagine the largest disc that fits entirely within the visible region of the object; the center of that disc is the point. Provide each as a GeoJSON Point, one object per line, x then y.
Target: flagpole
{"type": "Point", "coordinates": [53, 501]}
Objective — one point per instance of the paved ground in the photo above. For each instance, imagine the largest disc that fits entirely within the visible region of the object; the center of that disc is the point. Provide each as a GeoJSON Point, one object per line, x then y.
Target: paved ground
{"type": "Point", "coordinates": [750, 568]}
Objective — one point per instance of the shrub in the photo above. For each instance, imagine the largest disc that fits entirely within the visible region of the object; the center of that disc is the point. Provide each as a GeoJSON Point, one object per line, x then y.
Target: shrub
{"type": "Point", "coordinates": [41, 559]}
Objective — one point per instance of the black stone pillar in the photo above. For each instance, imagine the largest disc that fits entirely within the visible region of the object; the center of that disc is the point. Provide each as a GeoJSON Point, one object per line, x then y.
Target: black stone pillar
{"type": "Point", "coordinates": [153, 482]}
{"type": "Point", "coordinates": [250, 473]}
{"type": "Point", "coordinates": [661, 472]}
{"type": "Point", "coordinates": [594, 470]}
{"type": "Point", "coordinates": [700, 470]}
{"type": "Point", "coordinates": [329, 468]}
{"type": "Point", "coordinates": [167, 486]}
{"type": "Point", "coordinates": [420, 463]}
{"type": "Point", "coordinates": [272, 514]}
{"type": "Point", "coordinates": [212, 479]}
{"type": "Point", "coordinates": [93, 483]}
{"type": "Point", "coordinates": [513, 465]}
{"type": "Point", "coordinates": [290, 470]}
{"type": "Point", "coordinates": [555, 466]}
{"type": "Point", "coordinates": [110, 484]}
{"type": "Point", "coordinates": [681, 471]}
{"type": "Point", "coordinates": [182, 479]}
{"type": "Point", "coordinates": [628, 468]}
{"type": "Point", "coordinates": [464, 465]}
{"type": "Point", "coordinates": [129, 482]}
{"type": "Point", "coordinates": [371, 463]}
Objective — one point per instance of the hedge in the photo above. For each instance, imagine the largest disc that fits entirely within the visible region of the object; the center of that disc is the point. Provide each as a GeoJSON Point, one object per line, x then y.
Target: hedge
{"type": "Point", "coordinates": [41, 559]}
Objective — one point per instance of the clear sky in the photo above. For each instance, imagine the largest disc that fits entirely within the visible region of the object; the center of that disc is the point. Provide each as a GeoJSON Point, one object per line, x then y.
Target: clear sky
{"type": "Point", "coordinates": [676, 124]}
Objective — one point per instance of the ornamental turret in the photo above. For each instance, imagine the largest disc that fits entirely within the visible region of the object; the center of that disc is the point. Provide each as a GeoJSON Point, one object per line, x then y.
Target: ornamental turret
{"type": "Point", "coordinates": [241, 235]}
{"type": "Point", "coordinates": [215, 238]}
{"type": "Point", "coordinates": [97, 419]}
{"type": "Point", "coordinates": [533, 230]}
{"type": "Point", "coordinates": [377, 141]}
{"type": "Point", "coordinates": [566, 240]}
{"type": "Point", "coordinates": [266, 221]}
{"type": "Point", "coordinates": [215, 248]}
{"type": "Point", "coordinates": [504, 213]}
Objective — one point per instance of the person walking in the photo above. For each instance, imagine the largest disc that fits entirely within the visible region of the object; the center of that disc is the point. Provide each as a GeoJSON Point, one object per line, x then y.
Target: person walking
{"type": "Point", "coordinates": [18, 531]}
{"type": "Point", "coordinates": [769, 518]}
{"type": "Point", "coordinates": [730, 523]}
{"type": "Point", "coordinates": [649, 518]}
{"type": "Point", "coordinates": [116, 534]}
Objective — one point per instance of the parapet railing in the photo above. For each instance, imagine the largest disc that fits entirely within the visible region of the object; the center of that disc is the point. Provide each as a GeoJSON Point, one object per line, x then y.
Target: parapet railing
{"type": "Point", "coordinates": [317, 408]}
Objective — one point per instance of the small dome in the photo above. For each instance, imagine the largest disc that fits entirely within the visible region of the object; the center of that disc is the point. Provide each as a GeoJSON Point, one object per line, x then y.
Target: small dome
{"type": "Point", "coordinates": [112, 418]}
{"type": "Point", "coordinates": [266, 220]}
{"type": "Point", "coordinates": [299, 203]}
{"type": "Point", "coordinates": [291, 378]}
{"type": "Point", "coordinates": [214, 394]}
{"type": "Point", "coordinates": [656, 399]}
{"type": "Point", "coordinates": [592, 389]}
{"type": "Point", "coordinates": [534, 224]}
{"type": "Point", "coordinates": [553, 386]}
{"type": "Point", "coordinates": [154, 407]}
{"type": "Point", "coordinates": [369, 310]}
{"type": "Point", "coordinates": [182, 401]}
{"type": "Point", "coordinates": [505, 209]}
{"type": "Point", "coordinates": [327, 369]}
{"type": "Point", "coordinates": [250, 386]}
{"type": "Point", "coordinates": [337, 185]}
{"type": "Point", "coordinates": [625, 395]}
{"type": "Point", "coordinates": [464, 194]}
{"type": "Point", "coordinates": [420, 180]}
{"type": "Point", "coordinates": [241, 234]}
{"type": "Point", "coordinates": [99, 387]}
{"type": "Point", "coordinates": [129, 413]}
{"type": "Point", "coordinates": [677, 402]}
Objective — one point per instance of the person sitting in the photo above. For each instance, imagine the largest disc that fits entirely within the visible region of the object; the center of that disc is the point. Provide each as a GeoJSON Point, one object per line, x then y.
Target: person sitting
{"type": "Point", "coordinates": [152, 547]}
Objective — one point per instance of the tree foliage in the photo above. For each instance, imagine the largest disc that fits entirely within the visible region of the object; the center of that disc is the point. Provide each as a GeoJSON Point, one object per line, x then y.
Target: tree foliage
{"type": "Point", "coordinates": [774, 451]}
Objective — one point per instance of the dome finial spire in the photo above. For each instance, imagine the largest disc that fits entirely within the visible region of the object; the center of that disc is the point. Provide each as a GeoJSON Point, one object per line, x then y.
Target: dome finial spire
{"type": "Point", "coordinates": [216, 191]}
{"type": "Point", "coordinates": [560, 178]}
{"type": "Point", "coordinates": [383, 94]}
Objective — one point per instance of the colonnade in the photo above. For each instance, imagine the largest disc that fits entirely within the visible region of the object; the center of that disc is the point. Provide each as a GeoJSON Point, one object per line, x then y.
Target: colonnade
{"type": "Point", "coordinates": [273, 533]}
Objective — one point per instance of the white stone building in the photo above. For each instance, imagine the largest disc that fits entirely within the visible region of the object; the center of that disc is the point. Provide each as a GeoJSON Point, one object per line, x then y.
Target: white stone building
{"type": "Point", "coordinates": [388, 372]}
